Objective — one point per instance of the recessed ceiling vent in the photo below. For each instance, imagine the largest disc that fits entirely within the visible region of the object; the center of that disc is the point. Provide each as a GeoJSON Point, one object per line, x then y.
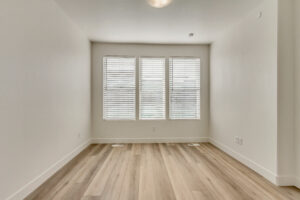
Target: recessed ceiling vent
{"type": "Point", "coordinates": [117, 145]}
{"type": "Point", "coordinates": [194, 145]}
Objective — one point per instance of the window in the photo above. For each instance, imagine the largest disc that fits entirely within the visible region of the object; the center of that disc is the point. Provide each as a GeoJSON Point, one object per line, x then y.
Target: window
{"type": "Point", "coordinates": [119, 88]}
{"type": "Point", "coordinates": [152, 88]}
{"type": "Point", "coordinates": [184, 88]}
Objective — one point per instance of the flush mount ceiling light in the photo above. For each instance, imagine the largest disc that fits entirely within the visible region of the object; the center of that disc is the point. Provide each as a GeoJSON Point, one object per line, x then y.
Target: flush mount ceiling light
{"type": "Point", "coordinates": [159, 3]}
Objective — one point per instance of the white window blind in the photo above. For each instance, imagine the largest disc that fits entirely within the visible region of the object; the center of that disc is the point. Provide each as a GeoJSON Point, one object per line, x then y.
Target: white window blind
{"type": "Point", "coordinates": [152, 88]}
{"type": "Point", "coordinates": [119, 88]}
{"type": "Point", "coordinates": [184, 88]}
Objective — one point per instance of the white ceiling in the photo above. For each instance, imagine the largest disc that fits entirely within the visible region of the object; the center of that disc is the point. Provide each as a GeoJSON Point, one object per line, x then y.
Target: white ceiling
{"type": "Point", "coordinates": [135, 21]}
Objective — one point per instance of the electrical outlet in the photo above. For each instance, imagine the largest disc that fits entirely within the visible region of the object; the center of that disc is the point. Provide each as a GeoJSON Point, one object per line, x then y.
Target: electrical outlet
{"type": "Point", "coordinates": [79, 135]}
{"type": "Point", "coordinates": [259, 15]}
{"type": "Point", "coordinates": [236, 140]}
{"type": "Point", "coordinates": [241, 141]}
{"type": "Point", "coordinates": [153, 129]}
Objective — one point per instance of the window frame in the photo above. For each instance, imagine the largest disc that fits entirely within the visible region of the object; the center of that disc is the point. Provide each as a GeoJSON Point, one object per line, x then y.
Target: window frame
{"type": "Point", "coordinates": [165, 87]}
{"type": "Point", "coordinates": [136, 88]}
{"type": "Point", "coordinates": [200, 88]}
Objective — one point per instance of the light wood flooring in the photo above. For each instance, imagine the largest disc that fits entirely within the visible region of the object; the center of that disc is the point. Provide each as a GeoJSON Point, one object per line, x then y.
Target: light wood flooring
{"type": "Point", "coordinates": [158, 172]}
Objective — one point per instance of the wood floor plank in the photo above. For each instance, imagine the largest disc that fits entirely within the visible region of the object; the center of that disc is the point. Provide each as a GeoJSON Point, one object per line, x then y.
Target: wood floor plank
{"type": "Point", "coordinates": [97, 186]}
{"type": "Point", "coordinates": [56, 183]}
{"type": "Point", "coordinates": [180, 187]}
{"type": "Point", "coordinates": [243, 176]}
{"type": "Point", "coordinates": [130, 185]}
{"type": "Point", "coordinates": [162, 185]}
{"type": "Point", "coordinates": [210, 176]}
{"type": "Point", "coordinates": [146, 182]}
{"type": "Point", "coordinates": [158, 172]}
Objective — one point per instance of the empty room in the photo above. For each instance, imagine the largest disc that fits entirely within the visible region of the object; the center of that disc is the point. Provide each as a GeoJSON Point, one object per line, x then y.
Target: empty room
{"type": "Point", "coordinates": [149, 99]}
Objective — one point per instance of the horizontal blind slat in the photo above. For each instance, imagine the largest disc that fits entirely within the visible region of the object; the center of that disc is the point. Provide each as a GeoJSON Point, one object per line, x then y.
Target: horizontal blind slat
{"type": "Point", "coordinates": [119, 88]}
{"type": "Point", "coordinates": [184, 88]}
{"type": "Point", "coordinates": [152, 88]}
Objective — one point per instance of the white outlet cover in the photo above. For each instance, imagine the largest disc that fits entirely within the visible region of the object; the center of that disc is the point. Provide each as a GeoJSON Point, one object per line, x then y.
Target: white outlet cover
{"type": "Point", "coordinates": [241, 141]}
{"type": "Point", "coordinates": [236, 140]}
{"type": "Point", "coordinates": [259, 15]}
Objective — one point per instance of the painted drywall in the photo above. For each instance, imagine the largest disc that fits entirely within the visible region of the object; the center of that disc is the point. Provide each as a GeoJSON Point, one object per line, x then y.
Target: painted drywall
{"type": "Point", "coordinates": [152, 131]}
{"type": "Point", "coordinates": [297, 89]}
{"type": "Point", "coordinates": [286, 156]}
{"type": "Point", "coordinates": [136, 21]}
{"type": "Point", "coordinates": [243, 90]}
{"type": "Point", "coordinates": [44, 90]}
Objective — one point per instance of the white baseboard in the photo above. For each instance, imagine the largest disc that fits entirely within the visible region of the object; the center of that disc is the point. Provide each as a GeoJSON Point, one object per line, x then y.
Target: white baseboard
{"type": "Point", "coordinates": [148, 140]}
{"type": "Point", "coordinates": [269, 175]}
{"type": "Point", "coordinates": [286, 180]}
{"type": "Point", "coordinates": [297, 182]}
{"type": "Point", "coordinates": [36, 182]}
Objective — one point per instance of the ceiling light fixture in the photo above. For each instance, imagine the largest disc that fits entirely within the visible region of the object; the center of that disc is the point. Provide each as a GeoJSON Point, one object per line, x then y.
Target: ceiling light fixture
{"type": "Point", "coordinates": [159, 3]}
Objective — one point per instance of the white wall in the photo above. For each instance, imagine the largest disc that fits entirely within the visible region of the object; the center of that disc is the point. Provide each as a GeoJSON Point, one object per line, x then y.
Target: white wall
{"type": "Point", "coordinates": [44, 90]}
{"type": "Point", "coordinates": [243, 93]}
{"type": "Point", "coordinates": [137, 131]}
{"type": "Point", "coordinates": [286, 155]}
{"type": "Point", "coordinates": [297, 87]}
